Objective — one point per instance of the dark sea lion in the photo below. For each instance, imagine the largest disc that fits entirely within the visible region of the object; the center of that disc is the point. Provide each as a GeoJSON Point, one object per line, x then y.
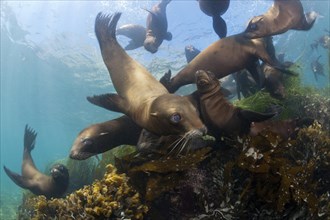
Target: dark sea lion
{"type": "Point", "coordinates": [285, 128]}
{"type": "Point", "coordinates": [136, 33]}
{"type": "Point", "coordinates": [157, 27]}
{"type": "Point", "coordinates": [101, 137]}
{"type": "Point", "coordinates": [281, 17]}
{"type": "Point", "coordinates": [215, 9]}
{"type": "Point", "coordinates": [191, 52]}
{"type": "Point", "coordinates": [32, 179]}
{"type": "Point", "coordinates": [317, 68]}
{"type": "Point", "coordinates": [226, 56]}
{"type": "Point", "coordinates": [140, 96]}
{"type": "Point", "coordinates": [219, 115]}
{"type": "Point", "coordinates": [245, 84]}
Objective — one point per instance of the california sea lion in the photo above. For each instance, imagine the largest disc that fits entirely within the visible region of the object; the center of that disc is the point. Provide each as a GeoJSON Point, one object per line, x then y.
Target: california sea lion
{"type": "Point", "coordinates": [215, 9]}
{"type": "Point", "coordinates": [32, 179]}
{"type": "Point", "coordinates": [101, 137]}
{"type": "Point", "coordinates": [317, 68]}
{"type": "Point", "coordinates": [282, 16]}
{"type": "Point", "coordinates": [140, 96]}
{"type": "Point", "coordinates": [219, 115]}
{"type": "Point", "coordinates": [226, 56]}
{"type": "Point", "coordinates": [136, 33]}
{"type": "Point", "coordinates": [157, 27]}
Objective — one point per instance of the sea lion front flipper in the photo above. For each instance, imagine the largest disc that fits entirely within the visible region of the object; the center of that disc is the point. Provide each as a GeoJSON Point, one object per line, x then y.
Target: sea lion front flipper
{"type": "Point", "coordinates": [219, 26]}
{"type": "Point", "coordinates": [166, 79]}
{"type": "Point", "coordinates": [253, 116]}
{"type": "Point", "coordinates": [110, 101]}
{"type": "Point", "coordinates": [18, 179]}
{"type": "Point", "coordinates": [29, 138]}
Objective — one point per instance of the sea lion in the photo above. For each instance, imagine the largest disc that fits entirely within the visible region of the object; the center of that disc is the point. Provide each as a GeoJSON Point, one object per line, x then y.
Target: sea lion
{"type": "Point", "coordinates": [140, 96]}
{"type": "Point", "coordinates": [226, 56]}
{"type": "Point", "coordinates": [136, 33]}
{"type": "Point", "coordinates": [191, 52]}
{"type": "Point", "coordinates": [245, 84]}
{"type": "Point", "coordinates": [101, 137]}
{"type": "Point", "coordinates": [215, 9]}
{"type": "Point", "coordinates": [157, 27]}
{"type": "Point", "coordinates": [317, 68]}
{"type": "Point", "coordinates": [219, 115]}
{"type": "Point", "coordinates": [32, 179]}
{"type": "Point", "coordinates": [280, 17]}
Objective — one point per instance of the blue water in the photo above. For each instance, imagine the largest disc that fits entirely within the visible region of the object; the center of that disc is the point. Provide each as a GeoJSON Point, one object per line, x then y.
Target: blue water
{"type": "Point", "coordinates": [50, 61]}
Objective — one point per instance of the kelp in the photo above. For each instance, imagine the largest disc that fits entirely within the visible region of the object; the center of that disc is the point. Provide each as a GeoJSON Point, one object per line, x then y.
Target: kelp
{"type": "Point", "coordinates": [109, 198]}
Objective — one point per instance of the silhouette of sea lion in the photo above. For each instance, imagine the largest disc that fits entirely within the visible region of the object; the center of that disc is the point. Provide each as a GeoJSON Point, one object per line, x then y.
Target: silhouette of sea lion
{"type": "Point", "coordinates": [136, 33]}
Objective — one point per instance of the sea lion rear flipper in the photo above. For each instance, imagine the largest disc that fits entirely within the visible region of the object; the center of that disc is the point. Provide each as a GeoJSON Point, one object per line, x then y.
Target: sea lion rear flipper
{"type": "Point", "coordinates": [110, 101]}
{"type": "Point", "coordinates": [255, 116]}
{"type": "Point", "coordinates": [166, 79]}
{"type": "Point", "coordinates": [219, 26]}
{"type": "Point", "coordinates": [18, 179]}
{"type": "Point", "coordinates": [29, 138]}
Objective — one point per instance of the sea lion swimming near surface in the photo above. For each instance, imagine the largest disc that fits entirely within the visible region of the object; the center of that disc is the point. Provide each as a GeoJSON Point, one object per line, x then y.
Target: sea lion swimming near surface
{"type": "Point", "coordinates": [32, 179]}
{"type": "Point", "coordinates": [226, 56]}
{"type": "Point", "coordinates": [136, 33]}
{"type": "Point", "coordinates": [101, 137]}
{"type": "Point", "coordinates": [282, 16]}
{"type": "Point", "coordinates": [140, 96]}
{"type": "Point", "coordinates": [317, 68]}
{"type": "Point", "coordinates": [215, 9]}
{"type": "Point", "coordinates": [157, 27]}
{"type": "Point", "coordinates": [219, 115]}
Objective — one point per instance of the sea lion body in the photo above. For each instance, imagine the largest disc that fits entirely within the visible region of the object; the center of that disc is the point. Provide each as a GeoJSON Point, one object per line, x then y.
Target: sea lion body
{"type": "Point", "coordinates": [136, 33]}
{"type": "Point", "coordinates": [157, 27]}
{"type": "Point", "coordinates": [140, 96]}
{"type": "Point", "coordinates": [215, 9]}
{"type": "Point", "coordinates": [101, 137]}
{"type": "Point", "coordinates": [32, 179]}
{"type": "Point", "coordinates": [219, 115]}
{"type": "Point", "coordinates": [273, 81]}
{"type": "Point", "coordinates": [191, 52]}
{"type": "Point", "coordinates": [226, 56]}
{"type": "Point", "coordinates": [282, 16]}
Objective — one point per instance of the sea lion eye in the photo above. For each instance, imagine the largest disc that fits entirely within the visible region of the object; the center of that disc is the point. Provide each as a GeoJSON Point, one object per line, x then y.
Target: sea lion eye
{"type": "Point", "coordinates": [175, 118]}
{"type": "Point", "coordinates": [86, 141]}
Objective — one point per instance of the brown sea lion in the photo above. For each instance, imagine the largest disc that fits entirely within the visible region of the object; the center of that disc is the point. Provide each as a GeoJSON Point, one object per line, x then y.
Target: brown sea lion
{"type": "Point", "coordinates": [226, 56]}
{"type": "Point", "coordinates": [101, 137]}
{"type": "Point", "coordinates": [215, 9]}
{"type": "Point", "coordinates": [32, 179]}
{"type": "Point", "coordinates": [285, 128]}
{"type": "Point", "coordinates": [157, 27]}
{"type": "Point", "coordinates": [219, 115]}
{"type": "Point", "coordinates": [281, 17]}
{"type": "Point", "coordinates": [140, 96]}
{"type": "Point", "coordinates": [136, 33]}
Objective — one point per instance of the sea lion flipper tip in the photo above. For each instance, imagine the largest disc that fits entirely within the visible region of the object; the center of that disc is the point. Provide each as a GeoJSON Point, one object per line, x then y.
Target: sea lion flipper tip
{"type": "Point", "coordinates": [109, 101]}
{"type": "Point", "coordinates": [29, 138]}
{"type": "Point", "coordinates": [105, 26]}
{"type": "Point", "coordinates": [219, 26]}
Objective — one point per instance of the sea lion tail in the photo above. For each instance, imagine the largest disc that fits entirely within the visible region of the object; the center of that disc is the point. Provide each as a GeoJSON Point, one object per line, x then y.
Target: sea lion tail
{"type": "Point", "coordinates": [105, 27]}
{"type": "Point", "coordinates": [29, 138]}
{"type": "Point", "coordinates": [219, 26]}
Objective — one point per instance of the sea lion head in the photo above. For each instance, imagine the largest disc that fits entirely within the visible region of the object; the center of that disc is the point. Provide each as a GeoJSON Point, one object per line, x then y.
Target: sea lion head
{"type": "Point", "coordinates": [256, 27]}
{"type": "Point", "coordinates": [151, 43]}
{"type": "Point", "coordinates": [175, 115]}
{"type": "Point", "coordinates": [89, 142]}
{"type": "Point", "coordinates": [60, 173]}
{"type": "Point", "coordinates": [206, 81]}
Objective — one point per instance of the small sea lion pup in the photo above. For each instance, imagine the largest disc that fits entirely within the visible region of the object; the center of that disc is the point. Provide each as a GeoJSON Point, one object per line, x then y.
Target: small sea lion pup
{"type": "Point", "coordinates": [219, 115]}
{"type": "Point", "coordinates": [101, 137]}
{"type": "Point", "coordinates": [157, 27]}
{"type": "Point", "coordinates": [224, 57]}
{"type": "Point", "coordinates": [32, 179]}
{"type": "Point", "coordinates": [140, 96]}
{"type": "Point", "coordinates": [215, 9]}
{"type": "Point", "coordinates": [281, 17]}
{"type": "Point", "coordinates": [135, 32]}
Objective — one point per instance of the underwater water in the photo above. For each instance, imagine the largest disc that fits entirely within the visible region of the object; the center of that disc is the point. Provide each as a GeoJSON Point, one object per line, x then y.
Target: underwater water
{"type": "Point", "coordinates": [51, 61]}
